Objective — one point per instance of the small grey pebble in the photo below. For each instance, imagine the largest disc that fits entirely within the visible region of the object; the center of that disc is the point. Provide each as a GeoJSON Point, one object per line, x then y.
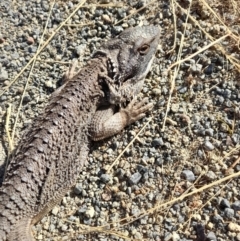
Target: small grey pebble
{"type": "Point", "coordinates": [168, 236]}
{"type": "Point", "coordinates": [84, 193]}
{"type": "Point", "coordinates": [227, 93]}
{"type": "Point", "coordinates": [82, 209]}
{"type": "Point", "coordinates": [81, 237]}
{"type": "Point", "coordinates": [121, 12]}
{"type": "Point", "coordinates": [196, 68]}
{"type": "Point", "coordinates": [236, 205]}
{"type": "Point", "coordinates": [155, 91]}
{"type": "Point", "coordinates": [140, 3]}
{"type": "Point", "coordinates": [217, 218]}
{"type": "Point", "coordinates": [210, 175]}
{"type": "Point", "coordinates": [64, 228]}
{"type": "Point", "coordinates": [55, 210]}
{"type": "Point", "coordinates": [79, 50]}
{"type": "Point", "coordinates": [72, 219]}
{"type": "Point", "coordinates": [237, 168]}
{"type": "Point", "coordinates": [15, 55]}
{"type": "Point", "coordinates": [135, 178]}
{"type": "Point", "coordinates": [224, 203]}
{"type": "Point", "coordinates": [77, 189]}
{"type": "Point", "coordinates": [208, 145]}
{"type": "Point", "coordinates": [104, 1]}
{"type": "Point", "coordinates": [49, 84]}
{"type": "Point", "coordinates": [150, 196]}
{"type": "Point", "coordinates": [229, 213]}
{"type": "Point", "coordinates": [209, 131]}
{"type": "Point", "coordinates": [105, 178]}
{"type": "Point", "coordinates": [120, 173]}
{"type": "Point", "coordinates": [26, 99]}
{"type": "Point", "coordinates": [51, 227]}
{"type": "Point", "coordinates": [209, 70]}
{"type": "Point", "coordinates": [220, 99]}
{"type": "Point", "coordinates": [129, 190]}
{"type": "Point", "coordinates": [32, 49]}
{"type": "Point", "coordinates": [45, 5]}
{"type": "Point", "coordinates": [183, 90]}
{"type": "Point", "coordinates": [164, 90]}
{"type": "Point", "coordinates": [106, 18]}
{"type": "Point", "coordinates": [235, 138]}
{"type": "Point", "coordinates": [157, 142]}
{"type": "Point", "coordinates": [92, 33]}
{"type": "Point", "coordinates": [131, 22]}
{"type": "Point", "coordinates": [197, 169]}
{"type": "Point", "coordinates": [117, 29]}
{"type": "Point", "coordinates": [175, 107]}
{"type": "Point", "coordinates": [211, 236]}
{"type": "Point", "coordinates": [176, 207]}
{"type": "Point", "coordinates": [188, 175]}
{"type": "Point", "coordinates": [204, 107]}
{"type": "Point", "coordinates": [228, 103]}
{"type": "Point", "coordinates": [200, 153]}
{"type": "Point", "coordinates": [142, 169]}
{"type": "Point", "coordinates": [87, 221]}
{"type": "Point", "coordinates": [159, 161]}
{"type": "Point", "coordinates": [181, 219]}
{"type": "Point", "coordinates": [115, 204]}
{"type": "Point", "coordinates": [138, 235]}
{"type": "Point", "coordinates": [3, 75]}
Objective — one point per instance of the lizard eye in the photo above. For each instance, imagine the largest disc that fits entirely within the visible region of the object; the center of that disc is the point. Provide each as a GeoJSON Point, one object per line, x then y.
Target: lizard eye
{"type": "Point", "coordinates": [143, 49]}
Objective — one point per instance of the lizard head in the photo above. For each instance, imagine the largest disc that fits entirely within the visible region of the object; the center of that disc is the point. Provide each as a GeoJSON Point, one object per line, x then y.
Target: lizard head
{"type": "Point", "coordinates": [130, 56]}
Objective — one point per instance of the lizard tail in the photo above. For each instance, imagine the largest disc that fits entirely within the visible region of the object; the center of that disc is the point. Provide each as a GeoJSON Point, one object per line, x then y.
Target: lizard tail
{"type": "Point", "coordinates": [21, 231]}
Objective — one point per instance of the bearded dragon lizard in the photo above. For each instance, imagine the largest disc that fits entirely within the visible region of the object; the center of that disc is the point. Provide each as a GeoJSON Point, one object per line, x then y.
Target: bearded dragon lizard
{"type": "Point", "coordinates": [49, 157]}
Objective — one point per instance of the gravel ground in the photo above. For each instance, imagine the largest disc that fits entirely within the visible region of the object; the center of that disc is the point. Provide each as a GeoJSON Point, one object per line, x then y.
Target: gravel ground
{"type": "Point", "coordinates": [198, 146]}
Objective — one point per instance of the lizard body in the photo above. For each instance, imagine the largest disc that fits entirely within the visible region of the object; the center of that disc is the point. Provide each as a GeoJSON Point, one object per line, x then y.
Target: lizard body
{"type": "Point", "coordinates": [52, 151]}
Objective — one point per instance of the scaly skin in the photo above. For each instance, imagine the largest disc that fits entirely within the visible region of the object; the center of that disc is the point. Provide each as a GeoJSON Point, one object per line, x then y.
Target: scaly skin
{"type": "Point", "coordinates": [35, 181]}
{"type": "Point", "coordinates": [50, 155]}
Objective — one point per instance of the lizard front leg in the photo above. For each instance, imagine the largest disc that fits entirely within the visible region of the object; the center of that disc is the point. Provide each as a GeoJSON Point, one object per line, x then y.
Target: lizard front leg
{"type": "Point", "coordinates": [107, 123]}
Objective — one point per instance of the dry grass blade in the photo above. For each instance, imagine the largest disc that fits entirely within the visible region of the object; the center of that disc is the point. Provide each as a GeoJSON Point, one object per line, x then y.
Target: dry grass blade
{"type": "Point", "coordinates": [198, 52]}
{"type": "Point", "coordinates": [107, 5]}
{"type": "Point", "coordinates": [54, 62]}
{"type": "Point", "coordinates": [214, 13]}
{"type": "Point", "coordinates": [175, 27]}
{"type": "Point", "coordinates": [130, 143]}
{"type": "Point", "coordinates": [180, 198]}
{"type": "Point", "coordinates": [234, 150]}
{"type": "Point", "coordinates": [173, 77]}
{"type": "Point", "coordinates": [33, 64]}
{"type": "Point", "coordinates": [139, 10]}
{"type": "Point", "coordinates": [235, 7]}
{"type": "Point", "coordinates": [79, 25]}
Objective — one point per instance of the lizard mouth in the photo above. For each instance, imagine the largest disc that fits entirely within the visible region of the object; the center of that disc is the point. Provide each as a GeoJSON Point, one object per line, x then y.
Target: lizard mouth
{"type": "Point", "coordinates": [118, 88]}
{"type": "Point", "coordinates": [113, 71]}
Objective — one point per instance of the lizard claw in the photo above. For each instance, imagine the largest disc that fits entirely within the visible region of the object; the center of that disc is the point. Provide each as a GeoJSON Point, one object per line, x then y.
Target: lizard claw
{"type": "Point", "coordinates": [71, 72]}
{"type": "Point", "coordinates": [137, 110]}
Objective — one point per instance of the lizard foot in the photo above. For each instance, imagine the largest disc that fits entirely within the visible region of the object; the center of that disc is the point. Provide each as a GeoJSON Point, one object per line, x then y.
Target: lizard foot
{"type": "Point", "coordinates": [136, 110]}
